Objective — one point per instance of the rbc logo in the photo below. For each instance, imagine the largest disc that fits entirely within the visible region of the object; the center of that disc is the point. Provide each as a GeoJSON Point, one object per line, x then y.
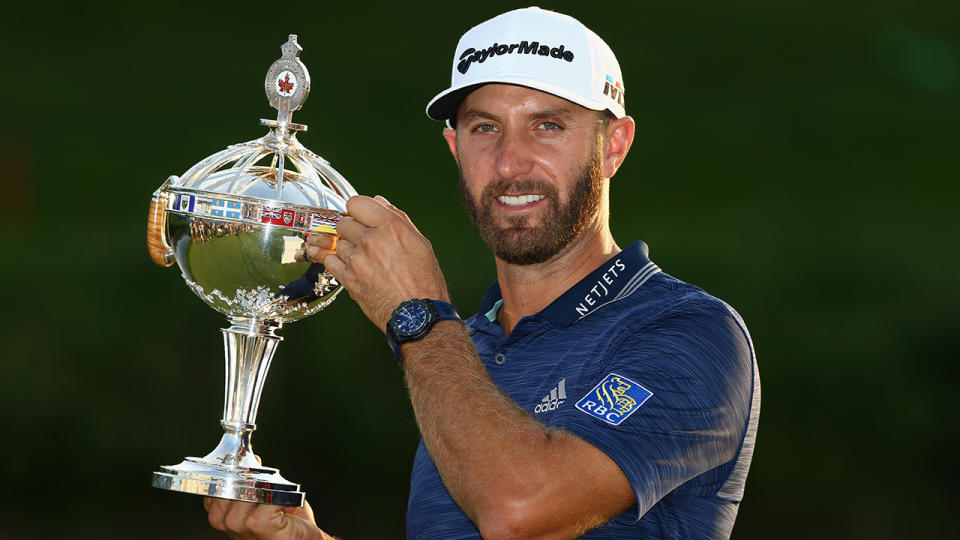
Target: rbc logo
{"type": "Point", "coordinates": [614, 399]}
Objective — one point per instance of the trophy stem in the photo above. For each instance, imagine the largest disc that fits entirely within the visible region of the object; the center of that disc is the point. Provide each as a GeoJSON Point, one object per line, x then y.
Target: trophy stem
{"type": "Point", "coordinates": [232, 471]}
{"type": "Point", "coordinates": [249, 345]}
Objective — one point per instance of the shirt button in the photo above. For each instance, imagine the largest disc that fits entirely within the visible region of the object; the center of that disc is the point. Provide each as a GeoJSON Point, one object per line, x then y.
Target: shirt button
{"type": "Point", "coordinates": [471, 330]}
{"type": "Point", "coordinates": [500, 358]}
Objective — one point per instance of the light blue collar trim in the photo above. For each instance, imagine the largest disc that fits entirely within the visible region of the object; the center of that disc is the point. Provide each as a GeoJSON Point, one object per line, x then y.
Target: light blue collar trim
{"type": "Point", "coordinates": [492, 314]}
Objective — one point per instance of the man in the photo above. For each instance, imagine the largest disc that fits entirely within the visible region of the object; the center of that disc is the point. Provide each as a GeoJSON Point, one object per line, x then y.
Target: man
{"type": "Point", "coordinates": [592, 394]}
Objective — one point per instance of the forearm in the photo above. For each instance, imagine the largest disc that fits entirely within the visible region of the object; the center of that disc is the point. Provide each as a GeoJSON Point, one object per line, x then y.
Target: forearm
{"type": "Point", "coordinates": [493, 457]}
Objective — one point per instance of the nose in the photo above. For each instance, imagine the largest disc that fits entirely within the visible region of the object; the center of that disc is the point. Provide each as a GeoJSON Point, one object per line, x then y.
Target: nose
{"type": "Point", "coordinates": [515, 157]}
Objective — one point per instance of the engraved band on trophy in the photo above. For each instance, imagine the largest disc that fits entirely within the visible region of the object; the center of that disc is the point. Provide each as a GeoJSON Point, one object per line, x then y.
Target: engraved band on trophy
{"type": "Point", "coordinates": [235, 224]}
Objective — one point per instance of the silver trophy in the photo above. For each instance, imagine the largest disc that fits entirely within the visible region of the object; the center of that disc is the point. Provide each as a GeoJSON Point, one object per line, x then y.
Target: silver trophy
{"type": "Point", "coordinates": [235, 224]}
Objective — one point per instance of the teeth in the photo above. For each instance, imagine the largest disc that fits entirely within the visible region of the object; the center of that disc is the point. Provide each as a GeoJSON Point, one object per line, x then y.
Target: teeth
{"type": "Point", "coordinates": [520, 200]}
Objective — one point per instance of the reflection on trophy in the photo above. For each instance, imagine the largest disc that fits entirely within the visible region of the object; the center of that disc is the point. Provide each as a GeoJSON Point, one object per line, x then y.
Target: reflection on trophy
{"type": "Point", "coordinates": [235, 224]}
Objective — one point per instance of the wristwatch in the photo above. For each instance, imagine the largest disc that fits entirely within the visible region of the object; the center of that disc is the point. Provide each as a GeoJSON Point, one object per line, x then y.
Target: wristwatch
{"type": "Point", "coordinates": [413, 319]}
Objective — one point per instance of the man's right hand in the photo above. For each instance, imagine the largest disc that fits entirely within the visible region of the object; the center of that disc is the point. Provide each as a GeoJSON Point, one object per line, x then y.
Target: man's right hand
{"type": "Point", "coordinates": [250, 521]}
{"type": "Point", "coordinates": [382, 259]}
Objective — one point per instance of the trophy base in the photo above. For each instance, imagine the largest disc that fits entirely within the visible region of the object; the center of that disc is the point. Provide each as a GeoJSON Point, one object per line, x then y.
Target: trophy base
{"type": "Point", "coordinates": [257, 485]}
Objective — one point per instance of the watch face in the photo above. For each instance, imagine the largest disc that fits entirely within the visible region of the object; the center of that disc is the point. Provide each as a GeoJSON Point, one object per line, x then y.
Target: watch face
{"type": "Point", "coordinates": [410, 319]}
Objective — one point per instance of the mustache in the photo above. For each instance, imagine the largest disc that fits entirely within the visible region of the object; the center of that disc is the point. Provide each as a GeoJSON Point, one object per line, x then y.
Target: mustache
{"type": "Point", "coordinates": [518, 187]}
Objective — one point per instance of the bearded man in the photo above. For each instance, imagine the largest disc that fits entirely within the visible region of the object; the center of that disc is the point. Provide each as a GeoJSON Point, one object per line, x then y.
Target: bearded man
{"type": "Point", "coordinates": [592, 394]}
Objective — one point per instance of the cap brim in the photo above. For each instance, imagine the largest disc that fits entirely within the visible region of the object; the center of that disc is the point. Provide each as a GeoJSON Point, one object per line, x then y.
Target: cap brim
{"type": "Point", "coordinates": [444, 106]}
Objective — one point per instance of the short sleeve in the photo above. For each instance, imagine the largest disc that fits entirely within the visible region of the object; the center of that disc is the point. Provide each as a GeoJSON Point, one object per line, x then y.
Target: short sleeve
{"type": "Point", "coordinates": [672, 401]}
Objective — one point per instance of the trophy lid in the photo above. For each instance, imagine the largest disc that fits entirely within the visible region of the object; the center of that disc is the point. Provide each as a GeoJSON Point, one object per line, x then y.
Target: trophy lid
{"type": "Point", "coordinates": [275, 167]}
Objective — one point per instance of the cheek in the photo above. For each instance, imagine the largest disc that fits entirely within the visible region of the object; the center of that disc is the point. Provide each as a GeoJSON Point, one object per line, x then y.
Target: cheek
{"type": "Point", "coordinates": [475, 174]}
{"type": "Point", "coordinates": [469, 186]}
{"type": "Point", "coordinates": [561, 160]}
{"type": "Point", "coordinates": [475, 160]}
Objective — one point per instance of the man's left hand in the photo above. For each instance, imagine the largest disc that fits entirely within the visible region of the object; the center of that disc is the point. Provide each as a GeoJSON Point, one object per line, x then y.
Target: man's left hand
{"type": "Point", "coordinates": [250, 521]}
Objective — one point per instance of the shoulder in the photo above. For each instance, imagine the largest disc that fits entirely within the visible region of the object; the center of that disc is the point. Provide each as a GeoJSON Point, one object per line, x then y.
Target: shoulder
{"type": "Point", "coordinates": [665, 298]}
{"type": "Point", "coordinates": [675, 327]}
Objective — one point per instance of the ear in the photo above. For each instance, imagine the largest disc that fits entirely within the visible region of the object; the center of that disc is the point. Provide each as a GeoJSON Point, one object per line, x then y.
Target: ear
{"type": "Point", "coordinates": [451, 136]}
{"type": "Point", "coordinates": [619, 137]}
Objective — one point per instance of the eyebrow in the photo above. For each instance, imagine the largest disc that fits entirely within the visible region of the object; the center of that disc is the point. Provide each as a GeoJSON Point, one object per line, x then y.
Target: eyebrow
{"type": "Point", "coordinates": [551, 113]}
{"type": "Point", "coordinates": [473, 114]}
{"type": "Point", "coordinates": [547, 113]}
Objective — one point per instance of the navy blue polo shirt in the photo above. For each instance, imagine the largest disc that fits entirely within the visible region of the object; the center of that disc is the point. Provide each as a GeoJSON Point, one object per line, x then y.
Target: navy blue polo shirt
{"type": "Point", "coordinates": [656, 373]}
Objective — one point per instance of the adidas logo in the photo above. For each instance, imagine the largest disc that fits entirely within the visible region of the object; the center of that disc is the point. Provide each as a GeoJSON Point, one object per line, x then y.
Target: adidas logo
{"type": "Point", "coordinates": [554, 399]}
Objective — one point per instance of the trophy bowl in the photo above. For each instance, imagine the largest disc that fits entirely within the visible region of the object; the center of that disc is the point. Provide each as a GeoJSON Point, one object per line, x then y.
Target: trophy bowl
{"type": "Point", "coordinates": [235, 224]}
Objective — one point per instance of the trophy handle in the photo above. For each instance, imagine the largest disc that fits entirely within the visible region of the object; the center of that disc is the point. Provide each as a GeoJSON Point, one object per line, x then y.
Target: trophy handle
{"type": "Point", "coordinates": [157, 245]}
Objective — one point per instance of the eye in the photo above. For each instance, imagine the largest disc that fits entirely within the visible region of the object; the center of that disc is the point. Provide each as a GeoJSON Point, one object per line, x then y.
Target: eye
{"type": "Point", "coordinates": [549, 126]}
{"type": "Point", "coordinates": [485, 128]}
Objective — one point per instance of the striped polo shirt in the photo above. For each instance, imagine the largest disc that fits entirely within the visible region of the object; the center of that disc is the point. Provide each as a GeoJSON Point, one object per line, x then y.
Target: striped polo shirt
{"type": "Point", "coordinates": [654, 372]}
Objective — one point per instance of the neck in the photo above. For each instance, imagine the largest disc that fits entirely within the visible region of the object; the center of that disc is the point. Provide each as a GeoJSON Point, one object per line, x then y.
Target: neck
{"type": "Point", "coordinates": [528, 289]}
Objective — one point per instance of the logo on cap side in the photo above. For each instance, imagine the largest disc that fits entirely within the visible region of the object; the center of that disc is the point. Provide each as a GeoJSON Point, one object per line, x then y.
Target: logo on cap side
{"type": "Point", "coordinates": [613, 89]}
{"type": "Point", "coordinates": [471, 55]}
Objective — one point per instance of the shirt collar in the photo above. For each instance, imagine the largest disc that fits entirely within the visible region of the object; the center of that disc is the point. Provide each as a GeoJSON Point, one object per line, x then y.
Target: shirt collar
{"type": "Point", "coordinates": [617, 278]}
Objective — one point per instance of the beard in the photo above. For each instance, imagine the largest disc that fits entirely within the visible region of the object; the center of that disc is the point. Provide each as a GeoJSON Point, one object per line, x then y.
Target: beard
{"type": "Point", "coordinates": [521, 243]}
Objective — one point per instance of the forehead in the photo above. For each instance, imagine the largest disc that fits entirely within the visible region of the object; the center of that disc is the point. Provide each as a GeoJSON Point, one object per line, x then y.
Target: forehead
{"type": "Point", "coordinates": [499, 99]}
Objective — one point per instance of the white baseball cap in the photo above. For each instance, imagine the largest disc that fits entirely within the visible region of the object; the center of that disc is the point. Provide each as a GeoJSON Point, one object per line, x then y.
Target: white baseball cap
{"type": "Point", "coordinates": [537, 48]}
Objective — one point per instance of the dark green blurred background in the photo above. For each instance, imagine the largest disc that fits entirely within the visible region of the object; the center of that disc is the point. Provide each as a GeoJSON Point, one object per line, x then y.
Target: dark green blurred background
{"type": "Point", "coordinates": [796, 158]}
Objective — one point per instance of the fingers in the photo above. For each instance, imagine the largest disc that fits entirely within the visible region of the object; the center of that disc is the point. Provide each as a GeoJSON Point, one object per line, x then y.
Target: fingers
{"type": "Point", "coordinates": [227, 516]}
{"type": "Point", "coordinates": [382, 259]}
{"type": "Point", "coordinates": [364, 213]}
{"type": "Point", "coordinates": [321, 241]}
{"type": "Point", "coordinates": [345, 250]}
{"type": "Point", "coordinates": [373, 212]}
{"type": "Point", "coordinates": [318, 245]}
{"type": "Point", "coordinates": [335, 265]}
{"type": "Point", "coordinates": [352, 233]}
{"type": "Point", "coordinates": [367, 210]}
{"type": "Point", "coordinates": [350, 228]}
{"type": "Point", "coordinates": [391, 207]}
{"type": "Point", "coordinates": [263, 521]}
{"type": "Point", "coordinates": [236, 518]}
{"type": "Point", "coordinates": [304, 512]}
{"type": "Point", "coordinates": [247, 520]}
{"type": "Point", "coordinates": [215, 512]}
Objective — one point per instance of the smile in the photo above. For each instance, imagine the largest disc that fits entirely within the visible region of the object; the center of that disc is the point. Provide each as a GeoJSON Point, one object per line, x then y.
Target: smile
{"type": "Point", "coordinates": [519, 200]}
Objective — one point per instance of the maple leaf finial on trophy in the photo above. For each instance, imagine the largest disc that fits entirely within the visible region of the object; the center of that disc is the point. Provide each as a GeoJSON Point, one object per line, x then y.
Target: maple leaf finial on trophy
{"type": "Point", "coordinates": [287, 83]}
